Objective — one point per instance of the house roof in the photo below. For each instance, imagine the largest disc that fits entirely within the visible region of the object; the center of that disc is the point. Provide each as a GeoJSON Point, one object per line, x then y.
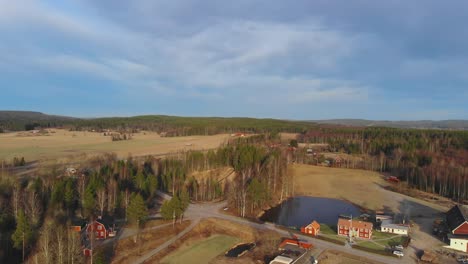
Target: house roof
{"type": "Point", "coordinates": [355, 224]}
{"type": "Point", "coordinates": [456, 216]}
{"type": "Point", "coordinates": [390, 224]}
{"type": "Point", "coordinates": [314, 225]}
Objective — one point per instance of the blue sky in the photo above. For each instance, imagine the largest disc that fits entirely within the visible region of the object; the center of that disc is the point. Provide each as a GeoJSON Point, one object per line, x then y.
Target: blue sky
{"type": "Point", "coordinates": [394, 60]}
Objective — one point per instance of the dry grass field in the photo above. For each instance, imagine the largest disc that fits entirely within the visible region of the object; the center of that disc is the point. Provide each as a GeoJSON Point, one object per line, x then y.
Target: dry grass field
{"type": "Point", "coordinates": [63, 143]}
{"type": "Point", "coordinates": [336, 257]}
{"type": "Point", "coordinates": [127, 251]}
{"type": "Point", "coordinates": [358, 186]}
{"type": "Point", "coordinates": [201, 252]}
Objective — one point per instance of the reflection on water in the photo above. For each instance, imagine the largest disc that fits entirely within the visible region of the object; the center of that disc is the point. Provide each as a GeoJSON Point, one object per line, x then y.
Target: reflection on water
{"type": "Point", "coordinates": [300, 211]}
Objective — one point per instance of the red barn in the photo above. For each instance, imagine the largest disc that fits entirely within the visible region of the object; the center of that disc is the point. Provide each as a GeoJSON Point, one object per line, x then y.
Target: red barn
{"type": "Point", "coordinates": [358, 229]}
{"type": "Point", "coordinates": [457, 220]}
{"type": "Point", "coordinates": [312, 229]}
{"type": "Point", "coordinates": [102, 230]}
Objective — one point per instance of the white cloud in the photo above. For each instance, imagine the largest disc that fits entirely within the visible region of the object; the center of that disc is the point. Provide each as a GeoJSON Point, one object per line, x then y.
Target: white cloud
{"type": "Point", "coordinates": [235, 57]}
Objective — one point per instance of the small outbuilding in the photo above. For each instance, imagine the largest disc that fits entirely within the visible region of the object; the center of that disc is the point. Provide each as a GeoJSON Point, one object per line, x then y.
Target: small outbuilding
{"type": "Point", "coordinates": [282, 260]}
{"type": "Point", "coordinates": [311, 229]}
{"type": "Point", "coordinates": [388, 226]}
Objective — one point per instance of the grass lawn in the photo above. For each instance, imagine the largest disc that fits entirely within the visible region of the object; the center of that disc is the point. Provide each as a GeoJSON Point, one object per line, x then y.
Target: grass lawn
{"type": "Point", "coordinates": [370, 245]}
{"type": "Point", "coordinates": [382, 235]}
{"type": "Point", "coordinates": [327, 229]}
{"type": "Point", "coordinates": [202, 251]}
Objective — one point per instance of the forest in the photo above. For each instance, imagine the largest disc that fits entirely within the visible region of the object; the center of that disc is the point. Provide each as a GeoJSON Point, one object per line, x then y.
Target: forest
{"type": "Point", "coordinates": [170, 125]}
{"type": "Point", "coordinates": [36, 212]}
{"type": "Point", "coordinates": [429, 160]}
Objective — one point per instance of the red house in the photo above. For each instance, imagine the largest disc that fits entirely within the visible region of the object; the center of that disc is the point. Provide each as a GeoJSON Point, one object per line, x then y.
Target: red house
{"type": "Point", "coordinates": [102, 230]}
{"type": "Point", "coordinates": [312, 229]}
{"type": "Point", "coordinates": [457, 220]}
{"type": "Point", "coordinates": [359, 229]}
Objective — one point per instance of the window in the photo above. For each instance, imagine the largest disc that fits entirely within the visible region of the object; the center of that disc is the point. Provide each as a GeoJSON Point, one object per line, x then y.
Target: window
{"type": "Point", "coordinates": [99, 227]}
{"type": "Point", "coordinates": [102, 233]}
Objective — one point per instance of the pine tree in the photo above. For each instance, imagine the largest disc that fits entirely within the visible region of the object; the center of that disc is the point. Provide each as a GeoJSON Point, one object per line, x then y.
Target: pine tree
{"type": "Point", "coordinates": [166, 210]}
{"type": "Point", "coordinates": [89, 202]}
{"type": "Point", "coordinates": [137, 210]}
{"type": "Point", "coordinates": [23, 233]}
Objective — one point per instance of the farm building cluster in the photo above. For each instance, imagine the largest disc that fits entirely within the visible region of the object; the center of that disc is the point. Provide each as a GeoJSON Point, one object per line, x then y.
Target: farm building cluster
{"type": "Point", "coordinates": [98, 229]}
{"type": "Point", "coordinates": [457, 224]}
{"type": "Point", "coordinates": [291, 250]}
{"type": "Point", "coordinates": [348, 227]}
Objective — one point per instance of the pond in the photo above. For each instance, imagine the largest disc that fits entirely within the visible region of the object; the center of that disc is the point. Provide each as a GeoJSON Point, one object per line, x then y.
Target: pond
{"type": "Point", "coordinates": [302, 210]}
{"type": "Point", "coordinates": [239, 250]}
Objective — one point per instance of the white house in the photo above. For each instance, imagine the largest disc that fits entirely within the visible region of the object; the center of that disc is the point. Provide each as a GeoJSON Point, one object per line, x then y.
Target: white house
{"type": "Point", "coordinates": [388, 226]}
{"type": "Point", "coordinates": [458, 243]}
{"type": "Point", "coordinates": [282, 260]}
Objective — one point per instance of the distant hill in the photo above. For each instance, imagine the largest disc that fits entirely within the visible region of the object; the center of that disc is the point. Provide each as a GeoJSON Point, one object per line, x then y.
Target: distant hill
{"type": "Point", "coordinates": [22, 120]}
{"type": "Point", "coordinates": [420, 124]}
{"type": "Point", "coordinates": [172, 125]}
{"type": "Point", "coordinates": [26, 120]}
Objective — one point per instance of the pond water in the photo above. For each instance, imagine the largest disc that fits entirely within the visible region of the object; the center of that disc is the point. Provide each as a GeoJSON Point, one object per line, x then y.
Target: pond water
{"type": "Point", "coordinates": [302, 210]}
{"type": "Point", "coordinates": [239, 250]}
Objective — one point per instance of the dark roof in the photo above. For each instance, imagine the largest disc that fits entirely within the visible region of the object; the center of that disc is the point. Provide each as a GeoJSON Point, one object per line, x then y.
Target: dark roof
{"type": "Point", "coordinates": [106, 221]}
{"type": "Point", "coordinates": [78, 222]}
{"type": "Point", "coordinates": [456, 216]}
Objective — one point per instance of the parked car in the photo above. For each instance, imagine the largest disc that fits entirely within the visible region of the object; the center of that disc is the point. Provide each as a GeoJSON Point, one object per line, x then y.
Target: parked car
{"type": "Point", "coordinates": [399, 247]}
{"type": "Point", "coordinates": [398, 253]}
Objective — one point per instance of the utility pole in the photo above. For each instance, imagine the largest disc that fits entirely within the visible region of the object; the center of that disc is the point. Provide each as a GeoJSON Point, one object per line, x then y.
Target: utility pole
{"type": "Point", "coordinates": [91, 237]}
{"type": "Point", "coordinates": [23, 246]}
{"type": "Point", "coordinates": [138, 237]}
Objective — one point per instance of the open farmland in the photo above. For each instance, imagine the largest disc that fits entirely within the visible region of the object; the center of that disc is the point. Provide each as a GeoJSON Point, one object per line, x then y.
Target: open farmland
{"type": "Point", "coordinates": [63, 143]}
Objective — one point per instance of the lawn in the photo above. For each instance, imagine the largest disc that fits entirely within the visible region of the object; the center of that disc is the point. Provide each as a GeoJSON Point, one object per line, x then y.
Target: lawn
{"type": "Point", "coordinates": [370, 245]}
{"type": "Point", "coordinates": [327, 229]}
{"type": "Point", "coordinates": [382, 235]}
{"type": "Point", "coordinates": [202, 251]}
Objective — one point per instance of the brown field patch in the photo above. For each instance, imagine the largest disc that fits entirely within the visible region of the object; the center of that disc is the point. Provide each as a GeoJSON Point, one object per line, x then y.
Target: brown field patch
{"type": "Point", "coordinates": [63, 143]}
{"type": "Point", "coordinates": [126, 250]}
{"type": "Point", "coordinates": [357, 186]}
{"type": "Point", "coordinates": [337, 257]}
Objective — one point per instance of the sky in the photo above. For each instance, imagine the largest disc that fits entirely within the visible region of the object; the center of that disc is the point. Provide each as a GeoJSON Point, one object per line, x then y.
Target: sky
{"type": "Point", "coordinates": [302, 59]}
